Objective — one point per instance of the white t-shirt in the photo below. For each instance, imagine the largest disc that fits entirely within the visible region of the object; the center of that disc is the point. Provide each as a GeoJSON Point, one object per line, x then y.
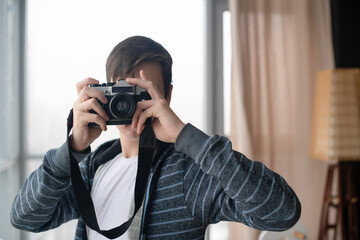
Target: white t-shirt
{"type": "Point", "coordinates": [113, 195]}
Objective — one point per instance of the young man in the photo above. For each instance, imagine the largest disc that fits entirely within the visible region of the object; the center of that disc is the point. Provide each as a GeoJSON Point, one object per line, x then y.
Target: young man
{"type": "Point", "coordinates": [198, 179]}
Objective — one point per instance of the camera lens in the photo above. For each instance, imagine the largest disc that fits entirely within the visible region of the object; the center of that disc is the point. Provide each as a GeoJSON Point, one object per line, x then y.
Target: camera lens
{"type": "Point", "coordinates": [122, 105]}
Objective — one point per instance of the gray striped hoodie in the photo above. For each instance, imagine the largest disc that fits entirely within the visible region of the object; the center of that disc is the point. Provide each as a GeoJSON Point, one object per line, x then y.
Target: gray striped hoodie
{"type": "Point", "coordinates": [197, 181]}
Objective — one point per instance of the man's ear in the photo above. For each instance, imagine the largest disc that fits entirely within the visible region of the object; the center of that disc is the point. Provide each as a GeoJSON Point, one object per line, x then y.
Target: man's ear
{"type": "Point", "coordinates": [168, 98]}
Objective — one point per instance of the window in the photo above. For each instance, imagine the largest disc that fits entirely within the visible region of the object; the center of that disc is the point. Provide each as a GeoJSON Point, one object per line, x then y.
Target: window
{"type": "Point", "coordinates": [63, 50]}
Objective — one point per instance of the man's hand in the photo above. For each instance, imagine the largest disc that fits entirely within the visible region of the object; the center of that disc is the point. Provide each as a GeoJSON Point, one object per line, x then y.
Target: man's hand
{"type": "Point", "coordinates": [82, 134]}
{"type": "Point", "coordinates": [165, 122]}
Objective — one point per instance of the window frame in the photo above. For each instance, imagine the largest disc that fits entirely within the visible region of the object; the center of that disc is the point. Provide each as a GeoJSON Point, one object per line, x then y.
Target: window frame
{"type": "Point", "coordinates": [12, 60]}
{"type": "Point", "coordinates": [214, 66]}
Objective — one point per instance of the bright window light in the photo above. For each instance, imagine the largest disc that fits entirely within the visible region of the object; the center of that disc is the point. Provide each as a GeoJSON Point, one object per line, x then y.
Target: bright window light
{"type": "Point", "coordinates": [68, 41]}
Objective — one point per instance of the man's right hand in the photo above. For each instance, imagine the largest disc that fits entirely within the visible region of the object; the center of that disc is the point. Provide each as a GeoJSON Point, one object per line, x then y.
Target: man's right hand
{"type": "Point", "coordinates": [82, 134]}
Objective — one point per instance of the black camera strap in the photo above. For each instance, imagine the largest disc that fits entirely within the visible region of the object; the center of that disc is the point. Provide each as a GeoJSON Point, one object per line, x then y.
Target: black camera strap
{"type": "Point", "coordinates": [82, 194]}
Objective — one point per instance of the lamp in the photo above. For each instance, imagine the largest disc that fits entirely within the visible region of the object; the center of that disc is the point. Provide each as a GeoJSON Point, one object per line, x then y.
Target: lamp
{"type": "Point", "coordinates": [335, 138]}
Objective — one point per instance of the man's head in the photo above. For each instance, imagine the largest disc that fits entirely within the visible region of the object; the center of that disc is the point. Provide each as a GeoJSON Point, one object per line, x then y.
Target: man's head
{"type": "Point", "coordinates": [135, 51]}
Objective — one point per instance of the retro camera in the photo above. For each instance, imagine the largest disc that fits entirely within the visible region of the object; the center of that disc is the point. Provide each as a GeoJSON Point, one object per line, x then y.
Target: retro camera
{"type": "Point", "coordinates": [122, 98]}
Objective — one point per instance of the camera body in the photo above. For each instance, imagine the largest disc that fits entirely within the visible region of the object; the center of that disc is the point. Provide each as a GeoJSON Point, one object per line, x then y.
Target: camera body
{"type": "Point", "coordinates": [122, 99]}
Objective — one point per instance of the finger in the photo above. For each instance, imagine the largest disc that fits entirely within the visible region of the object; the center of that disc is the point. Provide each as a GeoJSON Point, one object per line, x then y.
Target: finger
{"type": "Point", "coordinates": [89, 92]}
{"type": "Point", "coordinates": [142, 119]}
{"type": "Point", "coordinates": [84, 83]}
{"type": "Point", "coordinates": [148, 85]}
{"type": "Point", "coordinates": [152, 85]}
{"type": "Point", "coordinates": [92, 104]}
{"type": "Point", "coordinates": [85, 118]}
{"type": "Point", "coordinates": [140, 106]}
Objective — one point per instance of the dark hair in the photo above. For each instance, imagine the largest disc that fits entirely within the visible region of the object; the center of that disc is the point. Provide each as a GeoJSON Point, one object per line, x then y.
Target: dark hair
{"type": "Point", "coordinates": [134, 51]}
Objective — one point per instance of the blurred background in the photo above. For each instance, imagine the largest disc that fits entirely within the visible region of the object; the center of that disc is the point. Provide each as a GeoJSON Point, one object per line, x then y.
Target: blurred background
{"type": "Point", "coordinates": [245, 69]}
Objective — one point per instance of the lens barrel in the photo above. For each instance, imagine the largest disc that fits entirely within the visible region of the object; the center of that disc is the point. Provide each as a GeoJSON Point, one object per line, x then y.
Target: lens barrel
{"type": "Point", "coordinates": [122, 105]}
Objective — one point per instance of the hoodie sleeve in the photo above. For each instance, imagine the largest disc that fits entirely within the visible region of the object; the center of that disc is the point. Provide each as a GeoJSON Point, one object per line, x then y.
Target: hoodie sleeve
{"type": "Point", "coordinates": [46, 199]}
{"type": "Point", "coordinates": [239, 189]}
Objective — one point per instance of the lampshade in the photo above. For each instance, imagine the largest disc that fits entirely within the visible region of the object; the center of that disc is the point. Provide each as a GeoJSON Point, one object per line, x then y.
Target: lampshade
{"type": "Point", "coordinates": [336, 115]}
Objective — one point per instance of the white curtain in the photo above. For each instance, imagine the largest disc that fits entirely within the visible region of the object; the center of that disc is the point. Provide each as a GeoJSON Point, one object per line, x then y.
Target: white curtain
{"type": "Point", "coordinates": [277, 48]}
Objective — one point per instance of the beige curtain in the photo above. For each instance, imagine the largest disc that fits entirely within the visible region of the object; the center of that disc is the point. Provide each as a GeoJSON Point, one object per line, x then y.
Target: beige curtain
{"type": "Point", "coordinates": [278, 46]}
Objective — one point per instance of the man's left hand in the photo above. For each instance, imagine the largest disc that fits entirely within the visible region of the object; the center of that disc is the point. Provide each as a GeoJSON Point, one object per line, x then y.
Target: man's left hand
{"type": "Point", "coordinates": [166, 124]}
